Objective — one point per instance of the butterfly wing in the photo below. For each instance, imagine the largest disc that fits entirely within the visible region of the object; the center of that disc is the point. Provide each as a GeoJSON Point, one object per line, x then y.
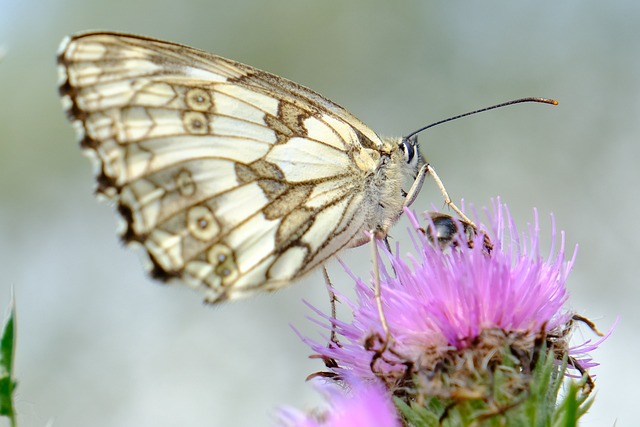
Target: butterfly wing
{"type": "Point", "coordinates": [232, 179]}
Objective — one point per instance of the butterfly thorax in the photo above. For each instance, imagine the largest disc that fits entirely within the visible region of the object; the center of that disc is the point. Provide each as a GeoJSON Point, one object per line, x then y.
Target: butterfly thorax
{"type": "Point", "coordinates": [385, 195]}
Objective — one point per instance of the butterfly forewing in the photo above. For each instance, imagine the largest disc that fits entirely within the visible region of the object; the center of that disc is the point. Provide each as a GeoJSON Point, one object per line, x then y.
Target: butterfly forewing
{"type": "Point", "coordinates": [231, 178]}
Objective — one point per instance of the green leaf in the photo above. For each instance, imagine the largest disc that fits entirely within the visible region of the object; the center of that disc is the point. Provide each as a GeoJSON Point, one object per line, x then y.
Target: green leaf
{"type": "Point", "coordinates": [7, 351]}
{"type": "Point", "coordinates": [415, 415]}
{"type": "Point", "coordinates": [574, 405]}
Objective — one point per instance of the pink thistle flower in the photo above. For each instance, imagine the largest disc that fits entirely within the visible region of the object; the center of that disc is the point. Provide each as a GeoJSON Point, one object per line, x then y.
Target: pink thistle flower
{"type": "Point", "coordinates": [455, 315]}
{"type": "Point", "coordinates": [362, 404]}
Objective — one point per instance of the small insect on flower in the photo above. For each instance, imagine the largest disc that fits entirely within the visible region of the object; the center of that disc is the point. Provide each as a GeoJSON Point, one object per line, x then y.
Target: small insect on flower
{"type": "Point", "coordinates": [232, 179]}
{"type": "Point", "coordinates": [446, 230]}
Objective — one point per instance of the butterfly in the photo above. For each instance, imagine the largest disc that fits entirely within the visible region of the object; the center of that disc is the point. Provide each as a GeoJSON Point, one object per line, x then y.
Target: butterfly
{"type": "Point", "coordinates": [232, 179]}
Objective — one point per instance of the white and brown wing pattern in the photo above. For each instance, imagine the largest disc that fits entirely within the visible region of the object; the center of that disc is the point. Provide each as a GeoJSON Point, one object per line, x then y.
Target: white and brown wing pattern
{"type": "Point", "coordinates": [233, 180]}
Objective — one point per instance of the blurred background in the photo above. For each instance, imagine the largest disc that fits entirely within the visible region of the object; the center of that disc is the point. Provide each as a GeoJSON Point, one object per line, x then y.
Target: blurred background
{"type": "Point", "coordinates": [99, 344]}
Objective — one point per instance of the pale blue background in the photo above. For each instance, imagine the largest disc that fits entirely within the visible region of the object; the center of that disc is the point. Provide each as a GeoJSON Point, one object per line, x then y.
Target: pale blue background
{"type": "Point", "coordinates": [101, 345]}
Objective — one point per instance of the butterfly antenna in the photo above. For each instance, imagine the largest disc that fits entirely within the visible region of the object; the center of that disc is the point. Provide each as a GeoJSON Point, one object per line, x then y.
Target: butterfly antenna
{"type": "Point", "coordinates": [493, 107]}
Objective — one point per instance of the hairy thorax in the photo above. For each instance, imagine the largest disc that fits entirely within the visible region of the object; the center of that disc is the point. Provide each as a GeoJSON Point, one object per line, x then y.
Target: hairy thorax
{"type": "Point", "coordinates": [385, 195]}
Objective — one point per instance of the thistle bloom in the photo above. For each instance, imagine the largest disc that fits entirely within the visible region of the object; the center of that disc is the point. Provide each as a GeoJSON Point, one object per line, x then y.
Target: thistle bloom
{"type": "Point", "coordinates": [457, 316]}
{"type": "Point", "coordinates": [358, 404]}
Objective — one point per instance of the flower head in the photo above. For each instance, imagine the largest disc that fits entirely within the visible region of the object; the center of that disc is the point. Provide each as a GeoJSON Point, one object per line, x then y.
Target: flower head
{"type": "Point", "coordinates": [487, 302]}
{"type": "Point", "coordinates": [351, 403]}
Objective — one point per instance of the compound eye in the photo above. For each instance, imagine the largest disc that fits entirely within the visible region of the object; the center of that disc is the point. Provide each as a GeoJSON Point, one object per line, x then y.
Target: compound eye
{"type": "Point", "coordinates": [409, 150]}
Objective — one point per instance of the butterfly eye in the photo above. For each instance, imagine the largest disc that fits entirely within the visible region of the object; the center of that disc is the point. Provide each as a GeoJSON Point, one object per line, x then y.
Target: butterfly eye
{"type": "Point", "coordinates": [409, 148]}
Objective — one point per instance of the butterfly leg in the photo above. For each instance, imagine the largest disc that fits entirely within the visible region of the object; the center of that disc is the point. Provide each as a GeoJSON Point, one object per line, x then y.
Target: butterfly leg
{"type": "Point", "coordinates": [425, 170]}
{"type": "Point", "coordinates": [333, 341]}
{"type": "Point", "coordinates": [375, 235]}
{"type": "Point", "coordinates": [332, 300]}
{"type": "Point", "coordinates": [416, 186]}
{"type": "Point", "coordinates": [445, 195]}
